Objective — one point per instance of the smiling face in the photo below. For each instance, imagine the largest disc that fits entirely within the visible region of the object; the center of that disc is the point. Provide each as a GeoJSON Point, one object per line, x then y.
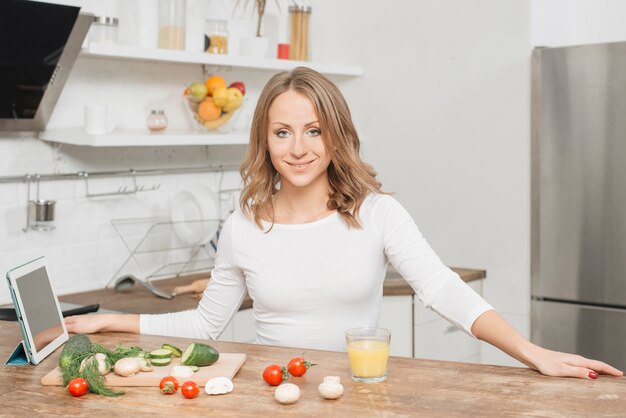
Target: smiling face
{"type": "Point", "coordinates": [295, 144]}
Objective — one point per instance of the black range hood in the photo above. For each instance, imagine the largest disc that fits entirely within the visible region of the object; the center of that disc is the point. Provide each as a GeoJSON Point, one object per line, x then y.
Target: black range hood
{"type": "Point", "coordinates": [39, 43]}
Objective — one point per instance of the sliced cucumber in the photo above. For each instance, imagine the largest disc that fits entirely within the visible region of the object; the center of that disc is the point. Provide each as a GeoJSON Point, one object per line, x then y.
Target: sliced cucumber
{"type": "Point", "coordinates": [198, 354]}
{"type": "Point", "coordinates": [176, 352]}
{"type": "Point", "coordinates": [160, 362]}
{"type": "Point", "coordinates": [194, 368]}
{"type": "Point", "coordinates": [160, 353]}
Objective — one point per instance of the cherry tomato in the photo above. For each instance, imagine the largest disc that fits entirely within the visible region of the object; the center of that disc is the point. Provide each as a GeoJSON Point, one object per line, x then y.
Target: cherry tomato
{"type": "Point", "coordinates": [298, 366]}
{"type": "Point", "coordinates": [78, 386]}
{"type": "Point", "coordinates": [190, 389]}
{"type": "Point", "coordinates": [274, 375]}
{"type": "Point", "coordinates": [168, 385]}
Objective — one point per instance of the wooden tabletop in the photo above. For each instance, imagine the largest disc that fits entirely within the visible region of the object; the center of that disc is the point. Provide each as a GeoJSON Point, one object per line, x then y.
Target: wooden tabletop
{"type": "Point", "coordinates": [139, 300]}
{"type": "Point", "coordinates": [414, 388]}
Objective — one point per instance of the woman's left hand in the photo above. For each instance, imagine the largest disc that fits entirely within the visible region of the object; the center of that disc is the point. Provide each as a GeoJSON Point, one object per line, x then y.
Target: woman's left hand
{"type": "Point", "coordinates": [554, 363]}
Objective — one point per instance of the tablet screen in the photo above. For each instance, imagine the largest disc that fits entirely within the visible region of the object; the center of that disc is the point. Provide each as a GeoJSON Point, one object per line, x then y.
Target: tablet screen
{"type": "Point", "coordinates": [39, 302]}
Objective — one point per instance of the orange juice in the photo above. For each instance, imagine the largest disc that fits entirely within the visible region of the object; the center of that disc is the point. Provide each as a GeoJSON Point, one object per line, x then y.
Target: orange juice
{"type": "Point", "coordinates": [368, 358]}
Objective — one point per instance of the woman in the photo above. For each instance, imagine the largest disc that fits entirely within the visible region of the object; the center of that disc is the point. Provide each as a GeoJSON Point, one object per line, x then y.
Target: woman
{"type": "Point", "coordinates": [312, 239]}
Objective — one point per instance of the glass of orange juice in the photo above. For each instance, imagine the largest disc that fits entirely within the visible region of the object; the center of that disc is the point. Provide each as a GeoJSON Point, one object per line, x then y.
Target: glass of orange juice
{"type": "Point", "coordinates": [368, 350]}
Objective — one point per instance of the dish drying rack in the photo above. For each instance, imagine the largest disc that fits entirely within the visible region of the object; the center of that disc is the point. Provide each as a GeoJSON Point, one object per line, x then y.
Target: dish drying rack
{"type": "Point", "coordinates": [151, 239]}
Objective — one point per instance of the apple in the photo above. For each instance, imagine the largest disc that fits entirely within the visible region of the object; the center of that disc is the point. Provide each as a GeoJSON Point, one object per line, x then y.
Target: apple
{"type": "Point", "coordinates": [235, 100]}
{"type": "Point", "coordinates": [197, 91]}
{"type": "Point", "coordinates": [239, 85]}
{"type": "Point", "coordinates": [220, 96]}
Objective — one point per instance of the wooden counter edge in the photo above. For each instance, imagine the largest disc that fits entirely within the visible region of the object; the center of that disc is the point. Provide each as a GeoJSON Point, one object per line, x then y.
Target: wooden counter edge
{"type": "Point", "coordinates": [139, 300]}
{"type": "Point", "coordinates": [395, 285]}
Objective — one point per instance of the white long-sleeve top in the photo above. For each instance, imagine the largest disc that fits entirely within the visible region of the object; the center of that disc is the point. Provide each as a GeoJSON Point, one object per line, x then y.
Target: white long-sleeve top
{"type": "Point", "coordinates": [311, 282]}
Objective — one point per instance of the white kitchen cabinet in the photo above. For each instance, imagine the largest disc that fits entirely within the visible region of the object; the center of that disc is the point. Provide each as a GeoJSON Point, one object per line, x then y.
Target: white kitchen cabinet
{"type": "Point", "coordinates": [244, 327]}
{"type": "Point", "coordinates": [437, 339]}
{"type": "Point", "coordinates": [241, 328]}
{"type": "Point", "coordinates": [396, 314]}
{"type": "Point", "coordinates": [227, 334]}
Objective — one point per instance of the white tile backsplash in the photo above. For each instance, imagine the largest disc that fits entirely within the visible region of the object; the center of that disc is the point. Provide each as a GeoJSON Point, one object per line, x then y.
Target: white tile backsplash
{"type": "Point", "coordinates": [84, 251]}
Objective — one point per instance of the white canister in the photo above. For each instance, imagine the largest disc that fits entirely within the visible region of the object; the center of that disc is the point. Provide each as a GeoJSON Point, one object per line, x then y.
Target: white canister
{"type": "Point", "coordinates": [139, 23]}
{"type": "Point", "coordinates": [104, 30]}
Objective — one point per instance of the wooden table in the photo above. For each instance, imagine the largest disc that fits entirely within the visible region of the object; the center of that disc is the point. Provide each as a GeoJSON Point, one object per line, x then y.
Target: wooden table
{"type": "Point", "coordinates": [139, 300]}
{"type": "Point", "coordinates": [414, 388]}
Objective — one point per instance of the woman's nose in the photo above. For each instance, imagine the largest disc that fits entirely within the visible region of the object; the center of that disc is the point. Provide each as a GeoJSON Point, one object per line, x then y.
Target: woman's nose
{"type": "Point", "coordinates": [298, 148]}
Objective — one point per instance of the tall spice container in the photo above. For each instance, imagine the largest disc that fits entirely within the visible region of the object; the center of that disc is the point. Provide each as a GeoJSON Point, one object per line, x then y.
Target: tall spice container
{"type": "Point", "coordinates": [299, 29]}
{"type": "Point", "coordinates": [172, 24]}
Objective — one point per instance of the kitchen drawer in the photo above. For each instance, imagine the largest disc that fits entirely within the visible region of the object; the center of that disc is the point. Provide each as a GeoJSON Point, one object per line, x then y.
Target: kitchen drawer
{"type": "Point", "coordinates": [438, 340]}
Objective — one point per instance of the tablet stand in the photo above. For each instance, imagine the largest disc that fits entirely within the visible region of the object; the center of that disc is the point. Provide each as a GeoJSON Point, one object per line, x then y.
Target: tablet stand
{"type": "Point", "coordinates": [18, 357]}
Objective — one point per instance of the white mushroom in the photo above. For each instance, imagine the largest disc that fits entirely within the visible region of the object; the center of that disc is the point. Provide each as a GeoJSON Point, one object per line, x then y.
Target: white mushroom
{"type": "Point", "coordinates": [287, 393]}
{"type": "Point", "coordinates": [331, 387]}
{"type": "Point", "coordinates": [145, 364]}
{"type": "Point", "coordinates": [103, 365]}
{"type": "Point", "coordinates": [127, 366]}
{"type": "Point", "coordinates": [181, 372]}
{"type": "Point", "coordinates": [219, 386]}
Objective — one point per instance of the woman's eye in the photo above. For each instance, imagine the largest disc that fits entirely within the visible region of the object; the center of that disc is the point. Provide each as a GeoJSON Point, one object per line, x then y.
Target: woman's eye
{"type": "Point", "coordinates": [282, 133]}
{"type": "Point", "coordinates": [314, 132]}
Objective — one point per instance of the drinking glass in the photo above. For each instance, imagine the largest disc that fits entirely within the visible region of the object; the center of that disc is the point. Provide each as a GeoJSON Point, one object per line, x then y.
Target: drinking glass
{"type": "Point", "coordinates": [368, 350]}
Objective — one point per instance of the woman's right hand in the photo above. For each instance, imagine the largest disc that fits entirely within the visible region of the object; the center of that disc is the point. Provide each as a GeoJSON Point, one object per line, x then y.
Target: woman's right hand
{"type": "Point", "coordinates": [90, 324]}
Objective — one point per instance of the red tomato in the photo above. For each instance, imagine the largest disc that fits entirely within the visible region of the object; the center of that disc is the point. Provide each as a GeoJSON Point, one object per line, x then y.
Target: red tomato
{"type": "Point", "coordinates": [298, 366]}
{"type": "Point", "coordinates": [168, 385]}
{"type": "Point", "coordinates": [78, 386]}
{"type": "Point", "coordinates": [190, 389]}
{"type": "Point", "coordinates": [274, 375]}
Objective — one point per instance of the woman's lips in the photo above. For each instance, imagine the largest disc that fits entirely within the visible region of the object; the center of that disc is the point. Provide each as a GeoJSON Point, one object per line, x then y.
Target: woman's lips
{"type": "Point", "coordinates": [300, 165]}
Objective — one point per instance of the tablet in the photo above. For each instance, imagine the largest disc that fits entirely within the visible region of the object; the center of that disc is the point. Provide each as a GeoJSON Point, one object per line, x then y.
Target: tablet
{"type": "Point", "coordinates": [37, 309]}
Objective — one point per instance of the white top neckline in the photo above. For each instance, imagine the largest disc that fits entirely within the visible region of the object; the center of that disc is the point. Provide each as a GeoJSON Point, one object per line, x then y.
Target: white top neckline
{"type": "Point", "coordinates": [300, 226]}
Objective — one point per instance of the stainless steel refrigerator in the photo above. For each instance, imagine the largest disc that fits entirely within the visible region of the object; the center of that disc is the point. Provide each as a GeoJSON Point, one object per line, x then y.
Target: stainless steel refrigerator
{"type": "Point", "coordinates": [578, 234]}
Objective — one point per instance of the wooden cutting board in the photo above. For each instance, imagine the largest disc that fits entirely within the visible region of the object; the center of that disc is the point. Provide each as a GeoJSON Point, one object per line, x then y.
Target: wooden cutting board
{"type": "Point", "coordinates": [227, 366]}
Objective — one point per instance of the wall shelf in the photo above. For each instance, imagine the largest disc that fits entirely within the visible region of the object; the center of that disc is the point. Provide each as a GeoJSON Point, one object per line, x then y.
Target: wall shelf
{"type": "Point", "coordinates": [142, 138]}
{"type": "Point", "coordinates": [126, 52]}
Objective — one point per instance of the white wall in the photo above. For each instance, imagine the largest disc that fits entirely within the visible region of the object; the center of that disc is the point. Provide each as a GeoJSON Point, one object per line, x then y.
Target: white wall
{"type": "Point", "coordinates": [443, 109]}
{"type": "Point", "coordinates": [577, 22]}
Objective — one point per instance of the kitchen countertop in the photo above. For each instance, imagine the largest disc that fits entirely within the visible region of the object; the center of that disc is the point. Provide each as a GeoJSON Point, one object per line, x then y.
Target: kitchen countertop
{"type": "Point", "coordinates": [414, 388]}
{"type": "Point", "coordinates": [139, 300]}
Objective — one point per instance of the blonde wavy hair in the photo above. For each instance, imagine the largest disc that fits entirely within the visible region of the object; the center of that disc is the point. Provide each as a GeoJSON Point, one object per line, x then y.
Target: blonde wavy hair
{"type": "Point", "coordinates": [351, 179]}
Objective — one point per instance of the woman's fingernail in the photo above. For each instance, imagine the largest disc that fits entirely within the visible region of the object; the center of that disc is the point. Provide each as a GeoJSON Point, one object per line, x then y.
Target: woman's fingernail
{"type": "Point", "coordinates": [593, 375]}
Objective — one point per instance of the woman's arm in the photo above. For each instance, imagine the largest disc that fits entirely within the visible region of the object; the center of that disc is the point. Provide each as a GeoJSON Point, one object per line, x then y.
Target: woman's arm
{"type": "Point", "coordinates": [492, 328]}
{"type": "Point", "coordinates": [89, 324]}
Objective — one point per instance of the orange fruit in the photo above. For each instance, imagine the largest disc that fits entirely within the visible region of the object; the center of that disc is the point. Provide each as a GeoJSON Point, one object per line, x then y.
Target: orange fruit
{"type": "Point", "coordinates": [208, 110]}
{"type": "Point", "coordinates": [214, 82]}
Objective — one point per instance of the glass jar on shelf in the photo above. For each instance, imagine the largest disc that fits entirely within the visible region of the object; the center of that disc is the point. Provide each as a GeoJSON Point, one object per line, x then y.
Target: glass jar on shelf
{"type": "Point", "coordinates": [216, 36]}
{"type": "Point", "coordinates": [104, 29]}
{"type": "Point", "coordinates": [157, 121]}
{"type": "Point", "coordinates": [299, 28]}
{"type": "Point", "coordinates": [172, 24]}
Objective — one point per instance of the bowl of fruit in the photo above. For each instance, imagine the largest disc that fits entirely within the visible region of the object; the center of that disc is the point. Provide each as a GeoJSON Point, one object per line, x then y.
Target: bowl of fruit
{"type": "Point", "coordinates": [214, 102]}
